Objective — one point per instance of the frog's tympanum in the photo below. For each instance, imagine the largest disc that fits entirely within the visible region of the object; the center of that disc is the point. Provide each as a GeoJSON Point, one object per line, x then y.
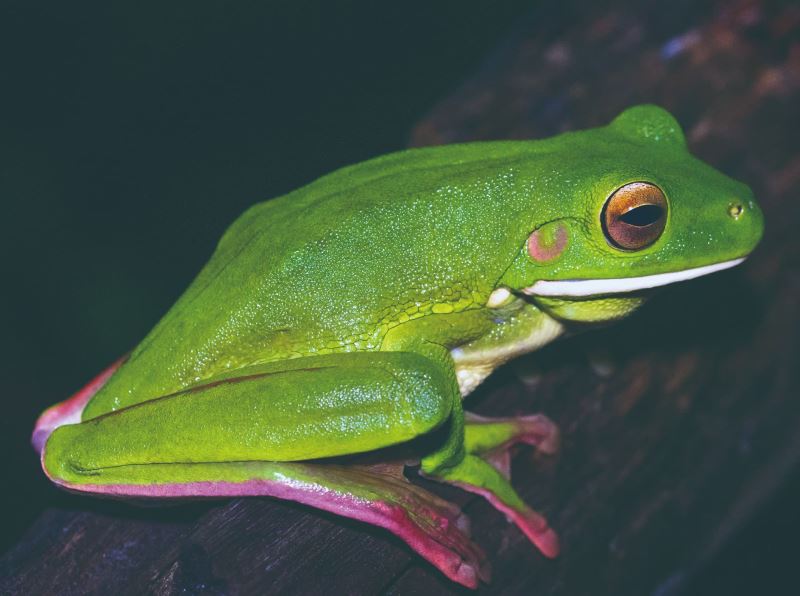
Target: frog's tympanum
{"type": "Point", "coordinates": [344, 322]}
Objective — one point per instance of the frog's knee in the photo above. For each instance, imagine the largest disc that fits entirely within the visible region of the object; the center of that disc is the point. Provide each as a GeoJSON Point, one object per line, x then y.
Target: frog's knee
{"type": "Point", "coordinates": [428, 411]}
{"type": "Point", "coordinates": [428, 395]}
{"type": "Point", "coordinates": [60, 460]}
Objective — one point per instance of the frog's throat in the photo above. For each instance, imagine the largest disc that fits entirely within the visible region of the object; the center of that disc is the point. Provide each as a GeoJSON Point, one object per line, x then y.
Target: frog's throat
{"type": "Point", "coordinates": [596, 287]}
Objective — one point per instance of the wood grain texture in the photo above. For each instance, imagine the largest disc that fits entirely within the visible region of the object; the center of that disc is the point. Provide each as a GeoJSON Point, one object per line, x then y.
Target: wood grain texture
{"type": "Point", "coordinates": [677, 423]}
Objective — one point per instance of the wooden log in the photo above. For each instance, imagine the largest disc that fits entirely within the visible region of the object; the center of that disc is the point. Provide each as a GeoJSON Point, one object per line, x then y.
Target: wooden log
{"type": "Point", "coordinates": [678, 423]}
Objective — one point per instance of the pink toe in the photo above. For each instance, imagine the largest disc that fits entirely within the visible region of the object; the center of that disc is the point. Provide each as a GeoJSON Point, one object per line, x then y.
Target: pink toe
{"type": "Point", "coordinates": [547, 542]}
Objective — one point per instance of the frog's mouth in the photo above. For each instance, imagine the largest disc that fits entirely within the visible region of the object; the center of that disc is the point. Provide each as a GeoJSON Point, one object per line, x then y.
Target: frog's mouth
{"type": "Point", "coordinates": [597, 287]}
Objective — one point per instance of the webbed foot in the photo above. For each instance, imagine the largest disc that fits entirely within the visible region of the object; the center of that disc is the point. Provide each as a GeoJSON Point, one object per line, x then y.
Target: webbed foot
{"type": "Point", "coordinates": [485, 470]}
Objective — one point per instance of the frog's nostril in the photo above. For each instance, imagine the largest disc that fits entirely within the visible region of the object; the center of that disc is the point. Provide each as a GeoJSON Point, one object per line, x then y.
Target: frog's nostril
{"type": "Point", "coordinates": [735, 210]}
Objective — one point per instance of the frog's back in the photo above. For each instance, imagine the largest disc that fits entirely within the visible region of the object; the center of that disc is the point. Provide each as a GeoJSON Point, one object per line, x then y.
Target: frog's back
{"type": "Point", "coordinates": [331, 266]}
{"type": "Point", "coordinates": [361, 237]}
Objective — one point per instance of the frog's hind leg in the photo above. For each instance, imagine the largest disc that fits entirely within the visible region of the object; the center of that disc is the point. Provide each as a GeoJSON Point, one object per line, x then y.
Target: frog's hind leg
{"type": "Point", "coordinates": [378, 495]}
{"type": "Point", "coordinates": [255, 434]}
{"type": "Point", "coordinates": [485, 469]}
{"type": "Point", "coordinates": [69, 411]}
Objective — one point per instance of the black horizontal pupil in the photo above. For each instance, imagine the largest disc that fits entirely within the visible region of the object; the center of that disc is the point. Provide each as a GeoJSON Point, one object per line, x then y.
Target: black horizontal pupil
{"type": "Point", "coordinates": [643, 215]}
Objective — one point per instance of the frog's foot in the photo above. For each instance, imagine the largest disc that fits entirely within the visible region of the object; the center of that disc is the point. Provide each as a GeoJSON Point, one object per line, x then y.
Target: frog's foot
{"type": "Point", "coordinates": [485, 470]}
{"type": "Point", "coordinates": [377, 495]}
{"type": "Point", "coordinates": [435, 528]}
{"type": "Point", "coordinates": [493, 438]}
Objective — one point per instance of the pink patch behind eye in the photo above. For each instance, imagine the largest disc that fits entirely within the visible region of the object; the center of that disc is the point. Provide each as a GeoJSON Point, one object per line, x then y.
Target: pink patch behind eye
{"type": "Point", "coordinates": [544, 246]}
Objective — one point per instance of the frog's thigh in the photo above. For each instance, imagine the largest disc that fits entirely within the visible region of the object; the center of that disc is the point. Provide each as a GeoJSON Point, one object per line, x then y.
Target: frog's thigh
{"type": "Point", "coordinates": [316, 407]}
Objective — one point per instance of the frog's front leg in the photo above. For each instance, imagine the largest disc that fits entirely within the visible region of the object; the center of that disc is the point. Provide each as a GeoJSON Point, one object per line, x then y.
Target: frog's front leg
{"type": "Point", "coordinates": [460, 461]}
{"type": "Point", "coordinates": [486, 469]}
{"type": "Point", "coordinates": [493, 438]}
{"type": "Point", "coordinates": [480, 474]}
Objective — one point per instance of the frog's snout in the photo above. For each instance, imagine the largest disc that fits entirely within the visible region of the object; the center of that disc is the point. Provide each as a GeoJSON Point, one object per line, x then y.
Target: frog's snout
{"type": "Point", "coordinates": [744, 221]}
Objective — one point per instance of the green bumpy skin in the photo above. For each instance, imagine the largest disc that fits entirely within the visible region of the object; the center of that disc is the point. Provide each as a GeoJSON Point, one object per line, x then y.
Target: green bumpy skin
{"type": "Point", "coordinates": [354, 314]}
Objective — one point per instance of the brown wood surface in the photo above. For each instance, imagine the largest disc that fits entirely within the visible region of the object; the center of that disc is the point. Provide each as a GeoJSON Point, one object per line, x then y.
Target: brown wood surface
{"type": "Point", "coordinates": [678, 423]}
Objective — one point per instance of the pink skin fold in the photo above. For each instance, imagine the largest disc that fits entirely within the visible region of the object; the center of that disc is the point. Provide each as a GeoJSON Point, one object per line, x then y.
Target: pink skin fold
{"type": "Point", "coordinates": [436, 529]}
{"type": "Point", "coordinates": [69, 411]}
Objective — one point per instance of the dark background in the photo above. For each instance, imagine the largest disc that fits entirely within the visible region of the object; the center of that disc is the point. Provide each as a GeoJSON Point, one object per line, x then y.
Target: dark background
{"type": "Point", "coordinates": [131, 136]}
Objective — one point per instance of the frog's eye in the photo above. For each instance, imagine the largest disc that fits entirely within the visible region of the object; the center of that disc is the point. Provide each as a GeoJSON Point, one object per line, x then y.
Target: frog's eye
{"type": "Point", "coordinates": [634, 216]}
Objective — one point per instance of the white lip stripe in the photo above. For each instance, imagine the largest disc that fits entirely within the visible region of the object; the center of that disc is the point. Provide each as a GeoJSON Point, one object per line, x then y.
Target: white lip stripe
{"type": "Point", "coordinates": [594, 287]}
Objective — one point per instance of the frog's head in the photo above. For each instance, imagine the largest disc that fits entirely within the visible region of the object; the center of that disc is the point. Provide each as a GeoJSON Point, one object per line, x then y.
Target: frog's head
{"type": "Point", "coordinates": [634, 211]}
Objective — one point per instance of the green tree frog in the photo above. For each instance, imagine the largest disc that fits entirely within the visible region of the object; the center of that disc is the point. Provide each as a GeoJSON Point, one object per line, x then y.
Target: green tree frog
{"type": "Point", "coordinates": [354, 314]}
